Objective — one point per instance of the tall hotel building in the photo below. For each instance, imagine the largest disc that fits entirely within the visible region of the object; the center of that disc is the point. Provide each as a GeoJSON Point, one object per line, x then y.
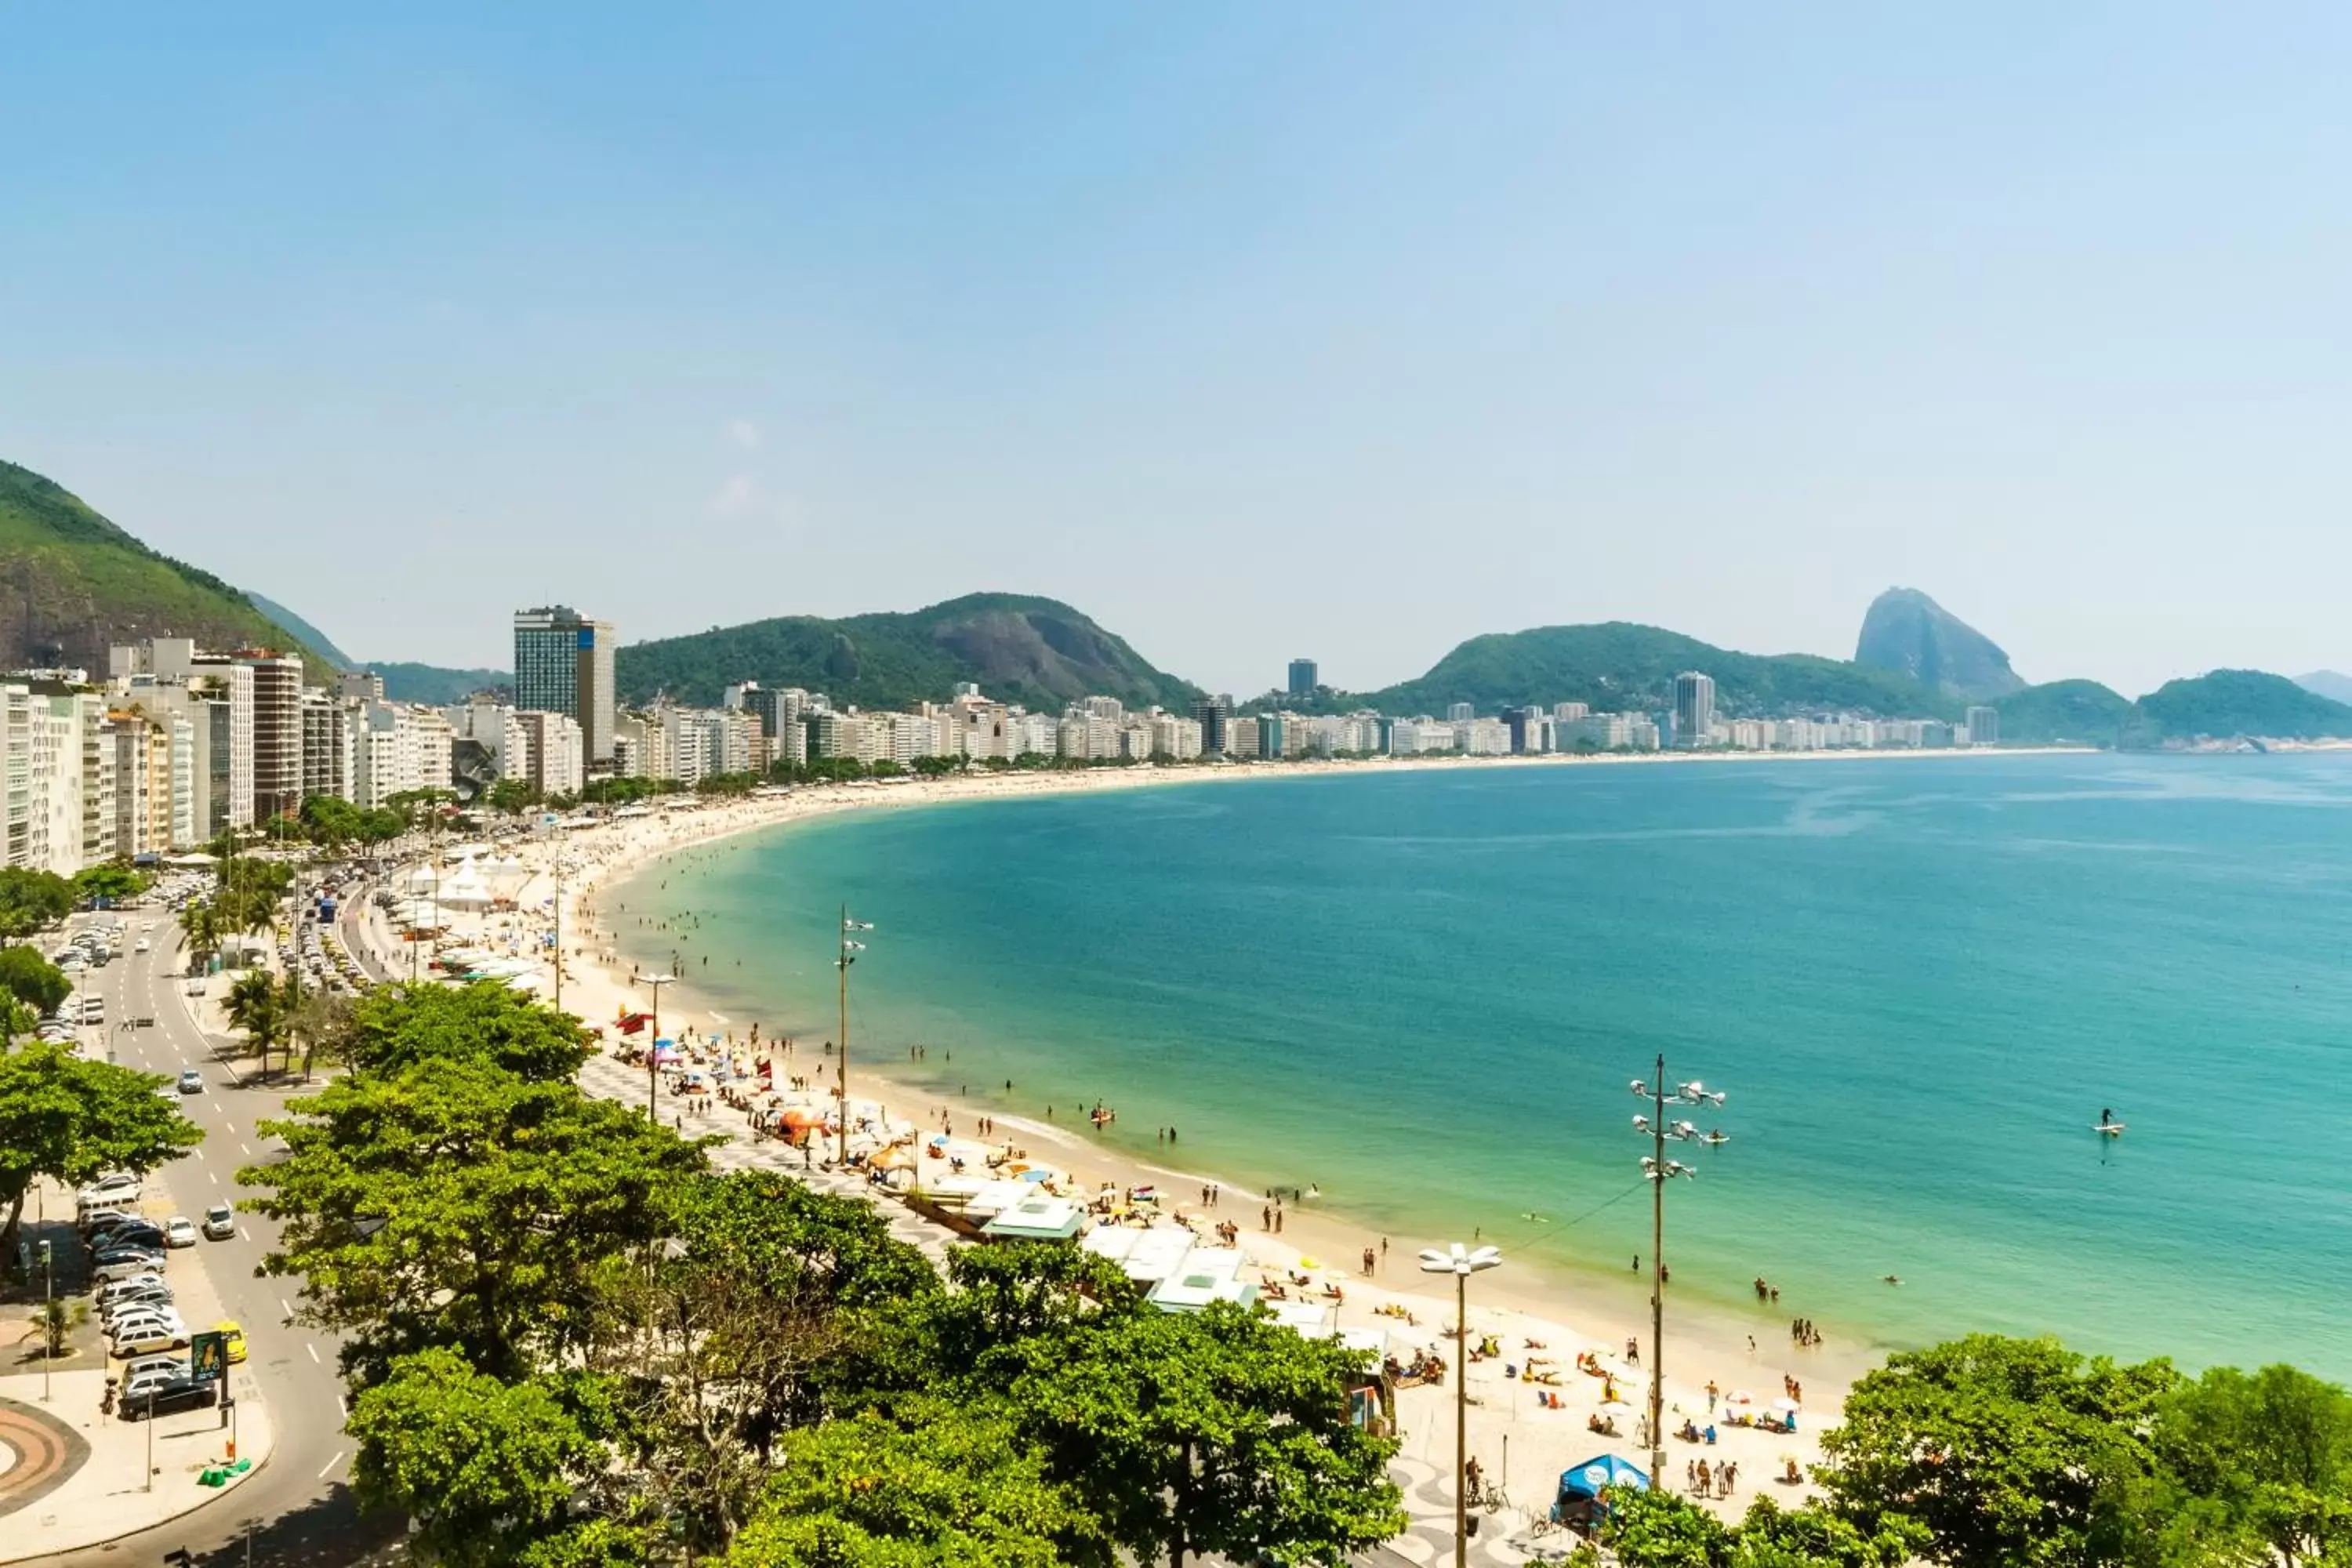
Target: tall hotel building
{"type": "Point", "coordinates": [563, 664]}
{"type": "Point", "coordinates": [1693, 711]}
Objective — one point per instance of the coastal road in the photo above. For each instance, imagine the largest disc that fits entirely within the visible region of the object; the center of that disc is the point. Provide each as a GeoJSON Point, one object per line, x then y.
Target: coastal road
{"type": "Point", "coordinates": [299, 1505]}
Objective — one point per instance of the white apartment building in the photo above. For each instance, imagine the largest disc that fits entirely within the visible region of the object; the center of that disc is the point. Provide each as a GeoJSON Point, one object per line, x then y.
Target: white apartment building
{"type": "Point", "coordinates": [400, 747]}
{"type": "Point", "coordinates": [557, 752]}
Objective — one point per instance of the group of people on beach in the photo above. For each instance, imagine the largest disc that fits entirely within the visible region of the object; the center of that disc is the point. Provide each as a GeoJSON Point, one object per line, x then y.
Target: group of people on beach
{"type": "Point", "coordinates": [1801, 1330]}
{"type": "Point", "coordinates": [1720, 1482]}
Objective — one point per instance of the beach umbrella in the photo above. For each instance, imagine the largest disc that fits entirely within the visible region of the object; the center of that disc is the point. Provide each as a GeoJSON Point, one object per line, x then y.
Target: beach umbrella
{"type": "Point", "coordinates": [1787, 1406]}
{"type": "Point", "coordinates": [1036, 1175]}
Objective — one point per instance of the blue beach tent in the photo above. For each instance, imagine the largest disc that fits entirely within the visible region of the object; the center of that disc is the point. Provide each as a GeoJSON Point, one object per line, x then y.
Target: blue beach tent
{"type": "Point", "coordinates": [1580, 1486]}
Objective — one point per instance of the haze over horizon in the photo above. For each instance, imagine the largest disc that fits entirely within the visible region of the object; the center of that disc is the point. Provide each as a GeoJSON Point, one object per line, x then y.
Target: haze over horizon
{"type": "Point", "coordinates": [1251, 332]}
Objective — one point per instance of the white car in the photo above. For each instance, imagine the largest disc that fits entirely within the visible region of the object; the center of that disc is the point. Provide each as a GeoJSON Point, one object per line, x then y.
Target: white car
{"type": "Point", "coordinates": [142, 945]}
{"type": "Point", "coordinates": [158, 1373]}
{"type": "Point", "coordinates": [179, 1231]}
{"type": "Point", "coordinates": [144, 1336]}
{"type": "Point", "coordinates": [113, 1185]}
{"type": "Point", "coordinates": [115, 1290]}
{"type": "Point", "coordinates": [220, 1222]}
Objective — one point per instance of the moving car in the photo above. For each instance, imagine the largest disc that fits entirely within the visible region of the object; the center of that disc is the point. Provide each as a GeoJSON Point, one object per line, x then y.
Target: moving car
{"type": "Point", "coordinates": [192, 1082]}
{"type": "Point", "coordinates": [179, 1231]}
{"type": "Point", "coordinates": [180, 1394]}
{"type": "Point", "coordinates": [232, 1338]}
{"type": "Point", "coordinates": [142, 945]}
{"type": "Point", "coordinates": [220, 1222]}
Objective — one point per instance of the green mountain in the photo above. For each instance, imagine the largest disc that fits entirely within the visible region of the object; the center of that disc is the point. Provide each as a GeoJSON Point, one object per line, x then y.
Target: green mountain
{"type": "Point", "coordinates": [436, 684]}
{"type": "Point", "coordinates": [303, 629]}
{"type": "Point", "coordinates": [1618, 666]}
{"type": "Point", "coordinates": [73, 584]}
{"type": "Point", "coordinates": [2082, 712]}
{"type": "Point", "coordinates": [2229, 703]}
{"type": "Point", "coordinates": [2334, 686]}
{"type": "Point", "coordinates": [1037, 652]}
{"type": "Point", "coordinates": [1909, 634]}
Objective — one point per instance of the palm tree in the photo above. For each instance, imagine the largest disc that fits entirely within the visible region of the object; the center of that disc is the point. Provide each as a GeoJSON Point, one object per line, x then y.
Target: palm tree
{"type": "Point", "coordinates": [200, 924]}
{"type": "Point", "coordinates": [256, 1004]}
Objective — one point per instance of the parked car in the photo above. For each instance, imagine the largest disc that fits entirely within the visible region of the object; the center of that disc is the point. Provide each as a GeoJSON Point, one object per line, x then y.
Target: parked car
{"type": "Point", "coordinates": [148, 1335]}
{"type": "Point", "coordinates": [140, 1363]}
{"type": "Point", "coordinates": [220, 1222]}
{"type": "Point", "coordinates": [98, 1224]}
{"type": "Point", "coordinates": [149, 1298]}
{"type": "Point", "coordinates": [142, 1234]}
{"type": "Point", "coordinates": [111, 1184]}
{"type": "Point", "coordinates": [182, 1393]}
{"type": "Point", "coordinates": [123, 1264]}
{"type": "Point", "coordinates": [232, 1335]}
{"type": "Point", "coordinates": [179, 1231]}
{"type": "Point", "coordinates": [135, 1384]}
{"type": "Point", "coordinates": [115, 1289]}
{"type": "Point", "coordinates": [192, 1082]}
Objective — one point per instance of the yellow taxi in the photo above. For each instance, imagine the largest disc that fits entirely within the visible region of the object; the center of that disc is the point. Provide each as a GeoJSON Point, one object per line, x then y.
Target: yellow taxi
{"type": "Point", "coordinates": [232, 1338]}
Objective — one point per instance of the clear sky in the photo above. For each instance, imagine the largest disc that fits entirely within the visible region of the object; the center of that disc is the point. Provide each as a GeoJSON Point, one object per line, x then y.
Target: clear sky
{"type": "Point", "coordinates": [1253, 330]}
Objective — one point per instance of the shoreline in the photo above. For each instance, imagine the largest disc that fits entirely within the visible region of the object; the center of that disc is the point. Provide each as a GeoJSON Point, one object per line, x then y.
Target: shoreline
{"type": "Point", "coordinates": [1545, 1303]}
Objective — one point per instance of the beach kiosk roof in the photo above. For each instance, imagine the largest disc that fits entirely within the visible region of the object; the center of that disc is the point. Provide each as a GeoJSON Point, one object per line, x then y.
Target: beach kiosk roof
{"type": "Point", "coordinates": [1112, 1241]}
{"type": "Point", "coordinates": [1194, 1289]}
{"type": "Point", "coordinates": [1589, 1478]}
{"type": "Point", "coordinates": [1308, 1320]}
{"type": "Point", "coordinates": [1038, 1218]}
{"type": "Point", "coordinates": [1157, 1254]}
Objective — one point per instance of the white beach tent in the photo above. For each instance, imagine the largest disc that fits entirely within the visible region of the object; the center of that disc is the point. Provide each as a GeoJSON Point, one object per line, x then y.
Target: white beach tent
{"type": "Point", "coordinates": [466, 891]}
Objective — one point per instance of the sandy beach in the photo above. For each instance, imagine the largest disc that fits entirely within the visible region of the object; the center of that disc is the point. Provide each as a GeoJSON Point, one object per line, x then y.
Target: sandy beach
{"type": "Point", "coordinates": [1532, 1401]}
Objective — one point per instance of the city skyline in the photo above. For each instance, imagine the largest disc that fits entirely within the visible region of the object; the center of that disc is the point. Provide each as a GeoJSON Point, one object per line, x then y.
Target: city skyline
{"type": "Point", "coordinates": [921, 307]}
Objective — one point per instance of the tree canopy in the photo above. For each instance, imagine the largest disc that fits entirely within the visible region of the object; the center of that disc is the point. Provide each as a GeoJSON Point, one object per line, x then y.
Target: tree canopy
{"type": "Point", "coordinates": [70, 1120]}
{"type": "Point", "coordinates": [30, 901]}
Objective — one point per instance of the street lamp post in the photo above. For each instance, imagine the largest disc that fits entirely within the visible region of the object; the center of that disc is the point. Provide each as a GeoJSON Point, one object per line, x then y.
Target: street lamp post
{"type": "Point", "coordinates": [850, 949]}
{"type": "Point", "coordinates": [48, 1305]}
{"type": "Point", "coordinates": [1462, 1263]}
{"type": "Point", "coordinates": [1659, 1170]}
{"type": "Point", "coordinates": [652, 1046]}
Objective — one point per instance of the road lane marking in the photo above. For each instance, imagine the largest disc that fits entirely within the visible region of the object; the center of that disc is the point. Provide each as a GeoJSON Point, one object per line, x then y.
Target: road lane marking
{"type": "Point", "coordinates": [312, 1349]}
{"type": "Point", "coordinates": [330, 1464]}
{"type": "Point", "coordinates": [344, 1406]}
{"type": "Point", "coordinates": [245, 1149]}
{"type": "Point", "coordinates": [214, 1176]}
{"type": "Point", "coordinates": [284, 1308]}
{"type": "Point", "coordinates": [213, 1103]}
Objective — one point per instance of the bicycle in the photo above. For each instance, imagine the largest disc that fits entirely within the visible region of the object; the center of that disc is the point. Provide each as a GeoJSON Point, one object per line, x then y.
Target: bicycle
{"type": "Point", "coordinates": [1490, 1497]}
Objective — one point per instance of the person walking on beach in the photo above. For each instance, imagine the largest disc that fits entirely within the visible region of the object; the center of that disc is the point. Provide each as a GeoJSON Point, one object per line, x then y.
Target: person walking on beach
{"type": "Point", "coordinates": [1268, 1226]}
{"type": "Point", "coordinates": [1368, 1262]}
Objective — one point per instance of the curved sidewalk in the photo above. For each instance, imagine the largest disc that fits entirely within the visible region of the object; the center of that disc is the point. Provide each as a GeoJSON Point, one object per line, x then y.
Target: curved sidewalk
{"type": "Point", "coordinates": [76, 1478]}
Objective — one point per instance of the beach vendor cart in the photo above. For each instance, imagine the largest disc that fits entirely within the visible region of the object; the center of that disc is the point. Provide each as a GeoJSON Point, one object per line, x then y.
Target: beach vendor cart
{"type": "Point", "coordinates": [1579, 1503]}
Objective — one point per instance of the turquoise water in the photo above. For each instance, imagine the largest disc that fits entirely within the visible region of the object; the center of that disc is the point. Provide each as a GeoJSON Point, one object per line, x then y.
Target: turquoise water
{"type": "Point", "coordinates": [1920, 981]}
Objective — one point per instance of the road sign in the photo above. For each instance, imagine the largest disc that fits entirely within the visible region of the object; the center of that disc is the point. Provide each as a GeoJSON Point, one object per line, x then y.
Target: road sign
{"type": "Point", "coordinates": [208, 1357]}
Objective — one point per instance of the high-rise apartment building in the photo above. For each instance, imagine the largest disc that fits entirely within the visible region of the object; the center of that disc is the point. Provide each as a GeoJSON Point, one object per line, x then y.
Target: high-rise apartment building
{"type": "Point", "coordinates": [277, 732]}
{"type": "Point", "coordinates": [1212, 715]}
{"type": "Point", "coordinates": [1984, 726]}
{"type": "Point", "coordinates": [563, 664]}
{"type": "Point", "coordinates": [1303, 677]}
{"type": "Point", "coordinates": [1693, 711]}
{"type": "Point", "coordinates": [1460, 712]}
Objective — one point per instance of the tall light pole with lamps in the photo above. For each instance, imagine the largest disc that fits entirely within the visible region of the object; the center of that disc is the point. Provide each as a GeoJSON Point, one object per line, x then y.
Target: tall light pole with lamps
{"type": "Point", "coordinates": [850, 949]}
{"type": "Point", "coordinates": [652, 1046]}
{"type": "Point", "coordinates": [1462, 1263]}
{"type": "Point", "coordinates": [1659, 1170]}
{"type": "Point", "coordinates": [48, 1305]}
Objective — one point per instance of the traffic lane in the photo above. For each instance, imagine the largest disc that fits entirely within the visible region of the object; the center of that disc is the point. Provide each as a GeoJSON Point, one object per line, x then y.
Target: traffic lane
{"type": "Point", "coordinates": [299, 1505]}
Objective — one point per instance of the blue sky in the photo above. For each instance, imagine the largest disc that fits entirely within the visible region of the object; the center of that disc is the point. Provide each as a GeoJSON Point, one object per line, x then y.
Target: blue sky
{"type": "Point", "coordinates": [1341, 330]}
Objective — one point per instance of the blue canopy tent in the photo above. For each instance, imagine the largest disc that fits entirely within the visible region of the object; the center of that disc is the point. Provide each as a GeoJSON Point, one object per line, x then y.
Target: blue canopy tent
{"type": "Point", "coordinates": [1580, 1486]}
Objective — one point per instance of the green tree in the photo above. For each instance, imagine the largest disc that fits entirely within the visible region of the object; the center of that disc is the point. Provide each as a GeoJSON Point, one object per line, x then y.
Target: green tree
{"type": "Point", "coordinates": [2010, 1452]}
{"type": "Point", "coordinates": [1222, 1432]}
{"type": "Point", "coordinates": [113, 881]}
{"type": "Point", "coordinates": [30, 901]}
{"type": "Point", "coordinates": [70, 1120]}
{"type": "Point", "coordinates": [2255, 1465]}
{"type": "Point", "coordinates": [395, 1028]}
{"type": "Point", "coordinates": [482, 1467]}
{"type": "Point", "coordinates": [33, 981]}
{"type": "Point", "coordinates": [511, 796]}
{"type": "Point", "coordinates": [329, 821]}
{"type": "Point", "coordinates": [258, 1004]}
{"type": "Point", "coordinates": [453, 1204]}
{"type": "Point", "coordinates": [200, 925]}
{"type": "Point", "coordinates": [935, 1484]}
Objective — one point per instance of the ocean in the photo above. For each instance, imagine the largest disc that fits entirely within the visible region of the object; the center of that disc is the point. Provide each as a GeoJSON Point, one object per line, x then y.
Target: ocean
{"type": "Point", "coordinates": [1917, 981]}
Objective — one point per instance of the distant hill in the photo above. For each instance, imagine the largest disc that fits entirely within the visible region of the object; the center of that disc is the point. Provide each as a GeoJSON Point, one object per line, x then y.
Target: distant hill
{"type": "Point", "coordinates": [1617, 665]}
{"type": "Point", "coordinates": [2336, 687]}
{"type": "Point", "coordinates": [1037, 652]}
{"type": "Point", "coordinates": [2240, 703]}
{"type": "Point", "coordinates": [73, 584]}
{"type": "Point", "coordinates": [2080, 711]}
{"type": "Point", "coordinates": [1907, 633]}
{"type": "Point", "coordinates": [302, 628]}
{"type": "Point", "coordinates": [436, 684]}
